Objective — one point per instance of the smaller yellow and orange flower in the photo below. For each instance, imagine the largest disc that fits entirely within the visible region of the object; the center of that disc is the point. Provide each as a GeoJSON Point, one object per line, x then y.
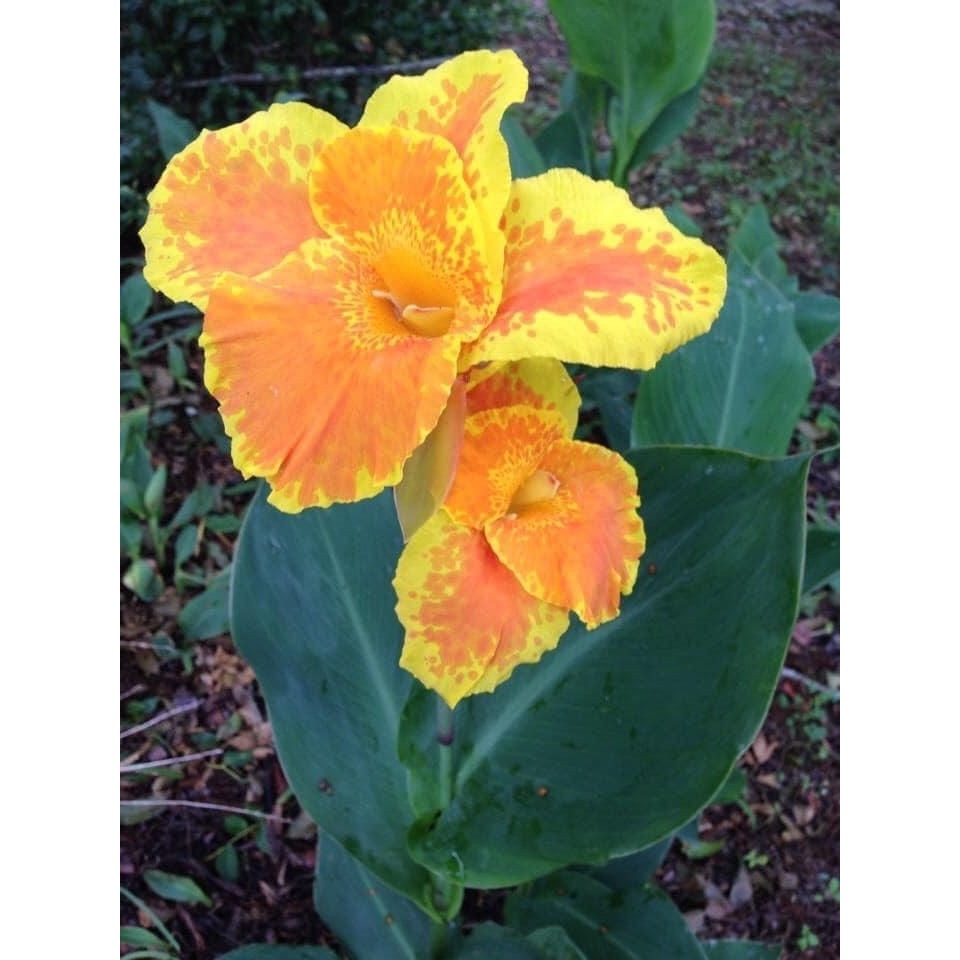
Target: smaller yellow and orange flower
{"type": "Point", "coordinates": [535, 525]}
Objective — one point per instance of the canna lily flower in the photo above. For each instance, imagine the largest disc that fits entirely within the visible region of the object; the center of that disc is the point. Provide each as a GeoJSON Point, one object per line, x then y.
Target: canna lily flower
{"type": "Point", "coordinates": [349, 276]}
{"type": "Point", "coordinates": [535, 525]}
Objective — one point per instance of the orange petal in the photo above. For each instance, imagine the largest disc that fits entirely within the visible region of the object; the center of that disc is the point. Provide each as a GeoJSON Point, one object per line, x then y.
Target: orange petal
{"type": "Point", "coordinates": [539, 382]}
{"type": "Point", "coordinates": [501, 449]}
{"type": "Point", "coordinates": [580, 548]}
{"type": "Point", "coordinates": [234, 200]}
{"type": "Point", "coordinates": [398, 198]}
{"type": "Point", "coordinates": [468, 621]}
{"type": "Point", "coordinates": [428, 474]}
{"type": "Point", "coordinates": [323, 391]}
{"type": "Point", "coordinates": [589, 278]}
{"type": "Point", "coordinates": [463, 101]}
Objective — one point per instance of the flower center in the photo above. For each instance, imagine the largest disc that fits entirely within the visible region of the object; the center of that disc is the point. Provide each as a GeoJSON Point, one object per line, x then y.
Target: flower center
{"type": "Point", "coordinates": [538, 487]}
{"type": "Point", "coordinates": [421, 301]}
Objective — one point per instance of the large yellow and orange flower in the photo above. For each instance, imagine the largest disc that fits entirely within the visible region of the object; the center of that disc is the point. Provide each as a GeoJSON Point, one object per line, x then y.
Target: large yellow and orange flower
{"type": "Point", "coordinates": [349, 275]}
{"type": "Point", "coordinates": [535, 525]}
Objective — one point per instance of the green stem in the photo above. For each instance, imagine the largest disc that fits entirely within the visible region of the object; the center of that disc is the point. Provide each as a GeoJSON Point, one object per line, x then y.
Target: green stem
{"type": "Point", "coordinates": [447, 893]}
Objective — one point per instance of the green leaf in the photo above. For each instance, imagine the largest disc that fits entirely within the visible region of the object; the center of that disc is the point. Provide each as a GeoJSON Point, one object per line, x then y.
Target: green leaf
{"type": "Point", "coordinates": [634, 924]}
{"type": "Point", "coordinates": [560, 143]}
{"type": "Point", "coordinates": [525, 159]}
{"type": "Point", "coordinates": [173, 132]}
{"type": "Point", "coordinates": [739, 950]}
{"type": "Point", "coordinates": [131, 538]}
{"type": "Point", "coordinates": [681, 680]}
{"type": "Point", "coordinates": [823, 557]}
{"type": "Point", "coordinates": [634, 870]}
{"type": "Point", "coordinates": [208, 614]}
{"type": "Point", "coordinates": [743, 385]}
{"type": "Point", "coordinates": [675, 117]}
{"type": "Point", "coordinates": [733, 788]}
{"type": "Point", "coordinates": [185, 545]}
{"type": "Point", "coordinates": [312, 610]}
{"type": "Point", "coordinates": [134, 458]}
{"type": "Point", "coordinates": [554, 944]}
{"type": "Point", "coordinates": [489, 941]}
{"type": "Point", "coordinates": [648, 51]}
{"type": "Point", "coordinates": [142, 578]}
{"type": "Point", "coordinates": [136, 296]}
{"type": "Point", "coordinates": [611, 393]}
{"type": "Point", "coordinates": [153, 495]}
{"type": "Point", "coordinates": [366, 915]}
{"type": "Point", "coordinates": [172, 886]}
{"type": "Point", "coordinates": [817, 316]}
{"type": "Point", "coordinates": [585, 98]}
{"type": "Point", "coordinates": [138, 937]}
{"type": "Point", "coordinates": [278, 951]}
{"type": "Point", "coordinates": [693, 846]}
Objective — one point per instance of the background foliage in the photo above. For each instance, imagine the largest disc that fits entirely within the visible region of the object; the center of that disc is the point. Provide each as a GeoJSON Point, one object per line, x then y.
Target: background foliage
{"type": "Point", "coordinates": [172, 52]}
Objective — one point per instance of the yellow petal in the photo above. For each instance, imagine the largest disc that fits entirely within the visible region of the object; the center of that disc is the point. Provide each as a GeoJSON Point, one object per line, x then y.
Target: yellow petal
{"type": "Point", "coordinates": [234, 200]}
{"type": "Point", "coordinates": [575, 540]}
{"type": "Point", "coordinates": [468, 621]}
{"type": "Point", "coordinates": [589, 278]}
{"type": "Point", "coordinates": [539, 382]}
{"type": "Point", "coordinates": [463, 100]}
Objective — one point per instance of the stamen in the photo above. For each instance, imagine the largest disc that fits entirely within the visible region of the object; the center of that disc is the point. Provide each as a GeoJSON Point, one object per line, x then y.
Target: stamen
{"type": "Point", "coordinates": [539, 486]}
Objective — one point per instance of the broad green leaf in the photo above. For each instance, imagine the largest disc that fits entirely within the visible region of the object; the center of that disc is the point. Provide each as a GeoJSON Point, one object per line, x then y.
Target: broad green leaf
{"type": "Point", "coordinates": [680, 681]}
{"type": "Point", "coordinates": [525, 159]}
{"type": "Point", "coordinates": [489, 941]}
{"type": "Point", "coordinates": [817, 316]}
{"type": "Point", "coordinates": [823, 557]}
{"type": "Point", "coordinates": [739, 950]}
{"type": "Point", "coordinates": [207, 614]}
{"type": "Point", "coordinates": [173, 132]}
{"type": "Point", "coordinates": [135, 299]}
{"type": "Point", "coordinates": [312, 610]}
{"type": "Point", "coordinates": [637, 924]}
{"type": "Point", "coordinates": [278, 951]}
{"type": "Point", "coordinates": [675, 117]}
{"type": "Point", "coordinates": [611, 393]}
{"type": "Point", "coordinates": [369, 918]}
{"type": "Point", "coordinates": [554, 944]}
{"type": "Point", "coordinates": [172, 886]}
{"type": "Point", "coordinates": [742, 385]}
{"type": "Point", "coordinates": [561, 144]}
{"type": "Point", "coordinates": [634, 870]}
{"type": "Point", "coordinates": [648, 51]}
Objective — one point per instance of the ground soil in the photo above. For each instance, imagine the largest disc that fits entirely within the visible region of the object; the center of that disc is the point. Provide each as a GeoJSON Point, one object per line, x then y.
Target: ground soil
{"type": "Point", "coordinates": [774, 873]}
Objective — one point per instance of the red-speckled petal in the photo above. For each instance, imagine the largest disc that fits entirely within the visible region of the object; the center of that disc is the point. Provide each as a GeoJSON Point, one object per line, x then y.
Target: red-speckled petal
{"type": "Point", "coordinates": [501, 449]}
{"type": "Point", "coordinates": [539, 382]}
{"type": "Point", "coordinates": [589, 278]}
{"type": "Point", "coordinates": [468, 621]}
{"type": "Point", "coordinates": [235, 200]}
{"type": "Point", "coordinates": [463, 101]}
{"type": "Point", "coordinates": [322, 390]}
{"type": "Point", "coordinates": [399, 200]}
{"type": "Point", "coordinates": [579, 549]}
